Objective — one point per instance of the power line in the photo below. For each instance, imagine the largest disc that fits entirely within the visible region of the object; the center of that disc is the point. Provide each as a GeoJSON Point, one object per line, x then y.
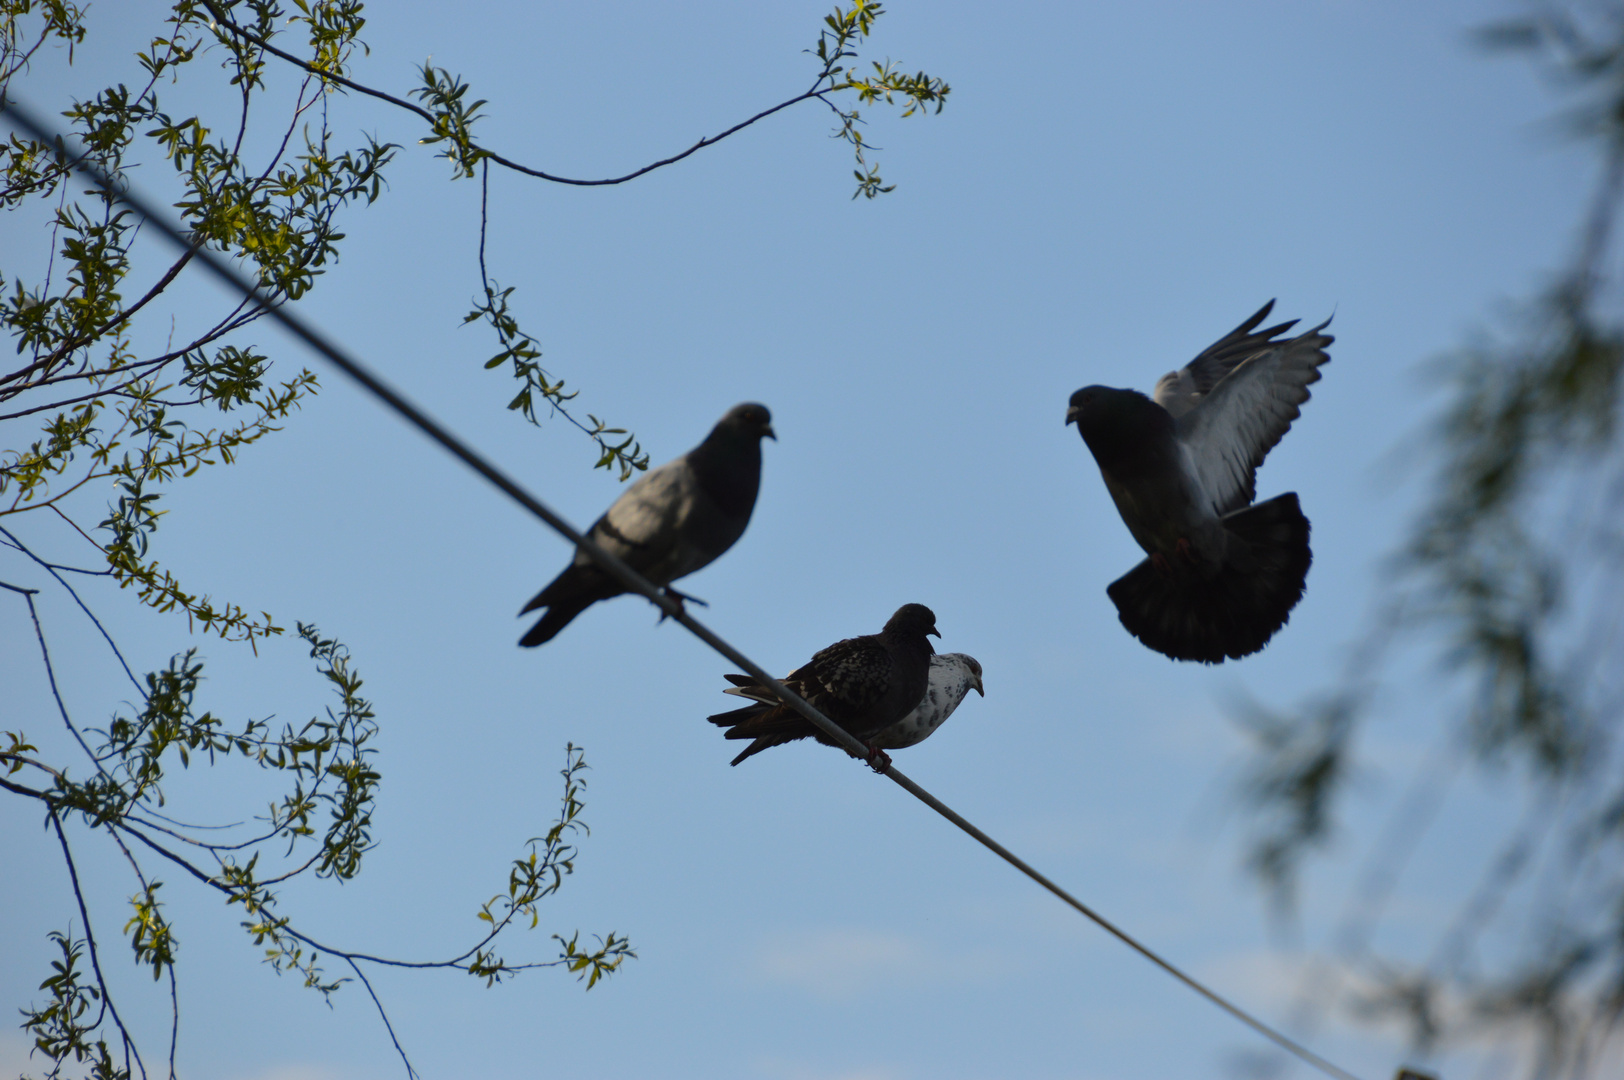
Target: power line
{"type": "Point", "coordinates": [634, 581]}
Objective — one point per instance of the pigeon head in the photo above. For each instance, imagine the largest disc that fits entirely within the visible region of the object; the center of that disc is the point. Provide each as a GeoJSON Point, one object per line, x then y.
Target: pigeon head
{"type": "Point", "coordinates": [747, 421]}
{"type": "Point", "coordinates": [975, 673]}
{"type": "Point", "coordinates": [913, 619]}
{"type": "Point", "coordinates": [1118, 425]}
{"type": "Point", "coordinates": [728, 463]}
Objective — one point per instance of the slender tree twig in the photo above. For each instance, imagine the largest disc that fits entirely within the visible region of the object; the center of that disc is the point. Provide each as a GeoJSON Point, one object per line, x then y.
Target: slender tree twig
{"type": "Point", "coordinates": [330, 76]}
{"type": "Point", "coordinates": [111, 644]}
{"type": "Point", "coordinates": [90, 938]}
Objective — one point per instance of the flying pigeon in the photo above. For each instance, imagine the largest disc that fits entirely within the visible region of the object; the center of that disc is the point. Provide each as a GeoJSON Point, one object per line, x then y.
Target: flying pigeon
{"type": "Point", "coordinates": [952, 677]}
{"type": "Point", "coordinates": [865, 684]}
{"type": "Point", "coordinates": [672, 521]}
{"type": "Point", "coordinates": [1223, 575]}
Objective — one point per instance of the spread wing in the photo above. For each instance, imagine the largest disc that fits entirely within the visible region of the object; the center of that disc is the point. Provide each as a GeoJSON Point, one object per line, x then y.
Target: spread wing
{"type": "Point", "coordinates": [1225, 435]}
{"type": "Point", "coordinates": [1180, 391]}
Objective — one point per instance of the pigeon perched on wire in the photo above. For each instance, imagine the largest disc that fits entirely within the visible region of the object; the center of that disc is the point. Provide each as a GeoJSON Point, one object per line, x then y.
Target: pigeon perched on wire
{"type": "Point", "coordinates": [672, 521]}
{"type": "Point", "coordinates": [952, 677]}
{"type": "Point", "coordinates": [1223, 574]}
{"type": "Point", "coordinates": [864, 684]}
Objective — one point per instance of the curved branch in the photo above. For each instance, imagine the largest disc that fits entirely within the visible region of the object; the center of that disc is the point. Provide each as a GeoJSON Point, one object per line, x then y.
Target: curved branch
{"type": "Point", "coordinates": [232, 322]}
{"type": "Point", "coordinates": [50, 670]}
{"type": "Point", "coordinates": [90, 939]}
{"type": "Point", "coordinates": [349, 957]}
{"type": "Point", "coordinates": [383, 1015]}
{"type": "Point", "coordinates": [67, 166]}
{"type": "Point", "coordinates": [111, 391]}
{"type": "Point", "coordinates": [18, 761]}
{"type": "Point", "coordinates": [75, 527]}
{"type": "Point", "coordinates": [19, 789]}
{"type": "Point", "coordinates": [711, 140]}
{"type": "Point", "coordinates": [219, 886]}
{"type": "Point", "coordinates": [61, 352]}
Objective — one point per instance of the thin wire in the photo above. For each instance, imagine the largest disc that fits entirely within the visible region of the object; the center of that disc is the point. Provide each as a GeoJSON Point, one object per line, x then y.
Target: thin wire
{"type": "Point", "coordinates": [638, 584]}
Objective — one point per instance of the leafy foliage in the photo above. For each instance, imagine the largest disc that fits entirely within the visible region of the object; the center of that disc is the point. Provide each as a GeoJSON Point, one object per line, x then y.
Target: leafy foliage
{"type": "Point", "coordinates": [105, 404]}
{"type": "Point", "coordinates": [452, 120]}
{"type": "Point", "coordinates": [326, 764]}
{"type": "Point", "coordinates": [836, 43]}
{"type": "Point", "coordinates": [259, 176]}
{"type": "Point", "coordinates": [452, 117]}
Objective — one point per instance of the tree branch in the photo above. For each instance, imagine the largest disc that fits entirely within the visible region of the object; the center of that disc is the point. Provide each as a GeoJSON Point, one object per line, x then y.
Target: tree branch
{"type": "Point", "coordinates": [248, 35]}
{"type": "Point", "coordinates": [90, 939]}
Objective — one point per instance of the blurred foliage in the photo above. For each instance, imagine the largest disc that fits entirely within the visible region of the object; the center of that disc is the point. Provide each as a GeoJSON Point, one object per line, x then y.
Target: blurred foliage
{"type": "Point", "coordinates": [1515, 566]}
{"type": "Point", "coordinates": [111, 398]}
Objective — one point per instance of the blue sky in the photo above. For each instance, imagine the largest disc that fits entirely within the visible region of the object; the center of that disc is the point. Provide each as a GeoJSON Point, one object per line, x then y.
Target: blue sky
{"type": "Point", "coordinates": [1110, 188]}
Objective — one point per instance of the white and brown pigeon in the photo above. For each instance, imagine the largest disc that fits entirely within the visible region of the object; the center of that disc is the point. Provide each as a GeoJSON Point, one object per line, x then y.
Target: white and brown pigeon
{"type": "Point", "coordinates": [864, 684]}
{"type": "Point", "coordinates": [1223, 574]}
{"type": "Point", "coordinates": [952, 677]}
{"type": "Point", "coordinates": [672, 521]}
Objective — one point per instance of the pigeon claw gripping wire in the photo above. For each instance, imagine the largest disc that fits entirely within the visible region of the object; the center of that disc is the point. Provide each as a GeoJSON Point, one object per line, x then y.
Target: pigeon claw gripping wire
{"type": "Point", "coordinates": [878, 760]}
{"type": "Point", "coordinates": [678, 598]}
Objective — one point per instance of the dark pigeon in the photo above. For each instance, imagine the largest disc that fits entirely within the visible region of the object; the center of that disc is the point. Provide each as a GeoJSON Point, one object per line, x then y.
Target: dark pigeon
{"type": "Point", "coordinates": [952, 677]}
{"type": "Point", "coordinates": [864, 684]}
{"type": "Point", "coordinates": [674, 520]}
{"type": "Point", "coordinates": [1223, 575]}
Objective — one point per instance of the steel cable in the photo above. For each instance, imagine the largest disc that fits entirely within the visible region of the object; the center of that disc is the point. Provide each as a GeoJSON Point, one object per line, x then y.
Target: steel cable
{"type": "Point", "coordinates": [635, 582]}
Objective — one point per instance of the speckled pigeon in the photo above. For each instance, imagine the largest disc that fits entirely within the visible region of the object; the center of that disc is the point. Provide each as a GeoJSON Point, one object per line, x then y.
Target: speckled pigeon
{"type": "Point", "coordinates": [864, 684]}
{"type": "Point", "coordinates": [1223, 575]}
{"type": "Point", "coordinates": [669, 523]}
{"type": "Point", "coordinates": [952, 677]}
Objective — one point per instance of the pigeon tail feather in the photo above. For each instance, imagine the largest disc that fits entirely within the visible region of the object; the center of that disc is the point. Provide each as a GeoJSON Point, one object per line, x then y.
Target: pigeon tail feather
{"type": "Point", "coordinates": [1234, 612]}
{"type": "Point", "coordinates": [733, 718]}
{"type": "Point", "coordinates": [763, 744]}
{"type": "Point", "coordinates": [768, 725]}
{"type": "Point", "coordinates": [559, 615]}
{"type": "Point", "coordinates": [566, 596]}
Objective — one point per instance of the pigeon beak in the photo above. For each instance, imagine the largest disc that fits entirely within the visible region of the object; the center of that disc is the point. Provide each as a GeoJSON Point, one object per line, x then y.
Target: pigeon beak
{"type": "Point", "coordinates": [768, 431]}
{"type": "Point", "coordinates": [977, 687]}
{"type": "Point", "coordinates": [1072, 414]}
{"type": "Point", "coordinates": [933, 632]}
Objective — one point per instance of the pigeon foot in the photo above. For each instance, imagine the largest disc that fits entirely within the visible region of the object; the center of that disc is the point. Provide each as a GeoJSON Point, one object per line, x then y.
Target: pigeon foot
{"type": "Point", "coordinates": [878, 759]}
{"type": "Point", "coordinates": [680, 597]}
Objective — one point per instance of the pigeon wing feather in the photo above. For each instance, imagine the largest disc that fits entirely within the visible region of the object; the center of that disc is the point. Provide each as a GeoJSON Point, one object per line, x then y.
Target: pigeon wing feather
{"type": "Point", "coordinates": [1225, 436]}
{"type": "Point", "coordinates": [1180, 391]}
{"type": "Point", "coordinates": [846, 678]}
{"type": "Point", "coordinates": [644, 525]}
